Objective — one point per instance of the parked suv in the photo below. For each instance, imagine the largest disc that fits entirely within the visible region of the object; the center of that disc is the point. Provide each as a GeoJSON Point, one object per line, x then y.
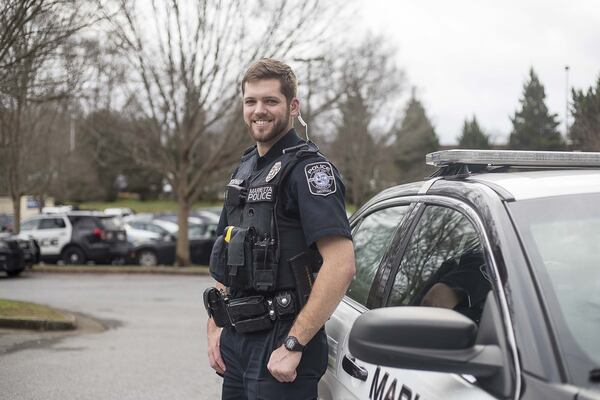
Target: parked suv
{"type": "Point", "coordinates": [77, 237]}
{"type": "Point", "coordinates": [482, 282]}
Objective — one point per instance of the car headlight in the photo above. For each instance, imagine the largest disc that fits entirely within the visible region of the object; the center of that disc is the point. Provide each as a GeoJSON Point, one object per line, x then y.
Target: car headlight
{"type": "Point", "coordinates": [3, 245]}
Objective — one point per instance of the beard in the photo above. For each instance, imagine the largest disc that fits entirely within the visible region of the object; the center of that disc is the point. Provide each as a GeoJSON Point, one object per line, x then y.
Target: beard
{"type": "Point", "coordinates": [279, 127]}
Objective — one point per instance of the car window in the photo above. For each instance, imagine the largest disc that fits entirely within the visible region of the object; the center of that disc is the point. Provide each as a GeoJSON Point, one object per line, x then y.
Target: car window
{"type": "Point", "coordinates": [86, 223]}
{"type": "Point", "coordinates": [156, 229]}
{"type": "Point", "coordinates": [562, 237]}
{"type": "Point", "coordinates": [371, 239]}
{"type": "Point", "coordinates": [30, 224]}
{"type": "Point", "coordinates": [112, 222]}
{"type": "Point", "coordinates": [443, 265]}
{"type": "Point", "coordinates": [51, 223]}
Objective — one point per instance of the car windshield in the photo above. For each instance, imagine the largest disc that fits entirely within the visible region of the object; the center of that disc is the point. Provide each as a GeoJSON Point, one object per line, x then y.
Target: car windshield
{"type": "Point", "coordinates": [561, 236]}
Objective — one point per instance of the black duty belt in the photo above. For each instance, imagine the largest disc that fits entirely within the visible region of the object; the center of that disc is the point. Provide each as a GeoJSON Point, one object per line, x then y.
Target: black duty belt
{"type": "Point", "coordinates": [249, 314]}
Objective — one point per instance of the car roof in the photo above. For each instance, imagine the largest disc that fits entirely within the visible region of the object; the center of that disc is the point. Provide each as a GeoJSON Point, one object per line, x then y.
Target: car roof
{"type": "Point", "coordinates": [536, 184]}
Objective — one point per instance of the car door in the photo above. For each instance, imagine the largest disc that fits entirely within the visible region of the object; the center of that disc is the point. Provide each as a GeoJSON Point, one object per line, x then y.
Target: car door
{"type": "Point", "coordinates": [372, 233]}
{"type": "Point", "coordinates": [443, 265]}
{"type": "Point", "coordinates": [51, 233]}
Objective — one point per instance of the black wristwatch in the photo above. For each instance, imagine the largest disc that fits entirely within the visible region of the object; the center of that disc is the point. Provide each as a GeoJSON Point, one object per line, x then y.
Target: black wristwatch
{"type": "Point", "coordinates": [292, 344]}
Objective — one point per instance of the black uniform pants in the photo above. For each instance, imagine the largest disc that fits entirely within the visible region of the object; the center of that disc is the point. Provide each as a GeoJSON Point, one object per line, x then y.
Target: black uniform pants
{"type": "Point", "coordinates": [246, 357]}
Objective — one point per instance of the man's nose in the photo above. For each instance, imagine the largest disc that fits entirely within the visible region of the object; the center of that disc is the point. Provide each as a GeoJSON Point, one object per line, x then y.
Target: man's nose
{"type": "Point", "coordinates": [260, 108]}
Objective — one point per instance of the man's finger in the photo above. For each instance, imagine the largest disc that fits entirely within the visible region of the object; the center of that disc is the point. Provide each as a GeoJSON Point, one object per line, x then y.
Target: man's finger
{"type": "Point", "coordinates": [219, 360]}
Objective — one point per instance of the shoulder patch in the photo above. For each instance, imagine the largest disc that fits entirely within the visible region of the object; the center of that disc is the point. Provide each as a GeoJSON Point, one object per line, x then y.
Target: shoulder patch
{"type": "Point", "coordinates": [320, 178]}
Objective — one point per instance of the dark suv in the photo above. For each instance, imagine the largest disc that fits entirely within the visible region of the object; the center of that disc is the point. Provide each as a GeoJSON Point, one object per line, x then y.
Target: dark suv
{"type": "Point", "coordinates": [77, 237]}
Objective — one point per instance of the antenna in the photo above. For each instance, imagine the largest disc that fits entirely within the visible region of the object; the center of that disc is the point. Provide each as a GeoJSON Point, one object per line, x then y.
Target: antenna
{"type": "Point", "coordinates": [304, 124]}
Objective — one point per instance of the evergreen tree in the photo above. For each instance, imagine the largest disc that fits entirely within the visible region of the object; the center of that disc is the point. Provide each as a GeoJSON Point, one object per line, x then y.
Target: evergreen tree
{"type": "Point", "coordinates": [414, 139]}
{"type": "Point", "coordinates": [354, 147]}
{"type": "Point", "coordinates": [534, 127]}
{"type": "Point", "coordinates": [585, 131]}
{"type": "Point", "coordinates": [472, 136]}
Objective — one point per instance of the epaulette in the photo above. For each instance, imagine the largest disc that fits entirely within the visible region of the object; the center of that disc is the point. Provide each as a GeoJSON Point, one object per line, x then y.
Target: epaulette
{"type": "Point", "coordinates": [305, 149]}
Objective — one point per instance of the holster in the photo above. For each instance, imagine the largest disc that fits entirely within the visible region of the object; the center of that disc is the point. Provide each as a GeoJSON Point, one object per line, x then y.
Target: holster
{"type": "Point", "coordinates": [216, 306]}
{"type": "Point", "coordinates": [304, 267]}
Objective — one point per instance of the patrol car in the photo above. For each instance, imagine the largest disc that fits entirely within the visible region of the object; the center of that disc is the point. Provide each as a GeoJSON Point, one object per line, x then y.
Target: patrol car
{"type": "Point", "coordinates": [77, 237]}
{"type": "Point", "coordinates": [505, 246]}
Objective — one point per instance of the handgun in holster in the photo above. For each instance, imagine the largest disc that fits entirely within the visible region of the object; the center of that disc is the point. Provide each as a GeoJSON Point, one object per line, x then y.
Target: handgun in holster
{"type": "Point", "coordinates": [216, 306]}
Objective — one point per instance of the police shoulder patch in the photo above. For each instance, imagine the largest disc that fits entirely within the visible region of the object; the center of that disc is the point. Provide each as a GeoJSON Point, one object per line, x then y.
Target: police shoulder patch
{"type": "Point", "coordinates": [320, 178]}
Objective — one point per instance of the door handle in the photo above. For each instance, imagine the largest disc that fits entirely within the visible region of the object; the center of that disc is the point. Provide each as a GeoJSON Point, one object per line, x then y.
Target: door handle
{"type": "Point", "coordinates": [355, 370]}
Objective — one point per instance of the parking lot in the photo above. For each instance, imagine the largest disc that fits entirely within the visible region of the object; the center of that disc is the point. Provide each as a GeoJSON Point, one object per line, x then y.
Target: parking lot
{"type": "Point", "coordinates": [154, 348]}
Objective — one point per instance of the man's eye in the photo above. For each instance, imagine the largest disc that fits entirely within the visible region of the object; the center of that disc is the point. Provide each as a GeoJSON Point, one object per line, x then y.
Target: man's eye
{"type": "Point", "coordinates": [272, 102]}
{"type": "Point", "coordinates": [249, 102]}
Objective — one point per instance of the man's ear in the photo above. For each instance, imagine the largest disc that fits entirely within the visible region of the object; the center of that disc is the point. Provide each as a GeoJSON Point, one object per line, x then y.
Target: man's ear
{"type": "Point", "coordinates": [294, 107]}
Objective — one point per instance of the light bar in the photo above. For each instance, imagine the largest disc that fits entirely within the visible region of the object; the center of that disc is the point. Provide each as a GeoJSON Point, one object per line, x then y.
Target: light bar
{"type": "Point", "coordinates": [514, 158]}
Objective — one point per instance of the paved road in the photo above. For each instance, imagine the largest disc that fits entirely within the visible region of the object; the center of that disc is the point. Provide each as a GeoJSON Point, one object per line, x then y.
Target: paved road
{"type": "Point", "coordinates": [155, 348]}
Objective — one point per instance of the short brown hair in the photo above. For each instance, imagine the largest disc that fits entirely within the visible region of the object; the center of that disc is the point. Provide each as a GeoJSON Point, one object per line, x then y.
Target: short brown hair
{"type": "Point", "coordinates": [268, 68]}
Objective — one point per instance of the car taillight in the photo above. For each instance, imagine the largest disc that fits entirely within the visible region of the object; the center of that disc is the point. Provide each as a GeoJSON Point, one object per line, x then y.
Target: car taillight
{"type": "Point", "coordinates": [99, 233]}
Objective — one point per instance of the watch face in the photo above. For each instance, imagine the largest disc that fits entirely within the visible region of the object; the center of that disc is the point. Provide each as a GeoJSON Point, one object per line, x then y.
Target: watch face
{"type": "Point", "coordinates": [290, 343]}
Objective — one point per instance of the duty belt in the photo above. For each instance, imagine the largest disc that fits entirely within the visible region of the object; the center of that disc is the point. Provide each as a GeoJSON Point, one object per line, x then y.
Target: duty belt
{"type": "Point", "coordinates": [249, 314]}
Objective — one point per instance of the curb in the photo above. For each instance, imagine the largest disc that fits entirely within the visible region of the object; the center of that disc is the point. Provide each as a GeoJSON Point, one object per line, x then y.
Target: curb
{"type": "Point", "coordinates": [39, 324]}
{"type": "Point", "coordinates": [94, 269]}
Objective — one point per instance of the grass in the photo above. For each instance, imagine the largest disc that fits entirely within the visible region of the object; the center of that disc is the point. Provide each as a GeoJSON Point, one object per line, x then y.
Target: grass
{"type": "Point", "coordinates": [21, 309]}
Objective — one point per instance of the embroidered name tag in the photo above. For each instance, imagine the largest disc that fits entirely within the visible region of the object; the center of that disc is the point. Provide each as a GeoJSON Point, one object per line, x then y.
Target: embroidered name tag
{"type": "Point", "coordinates": [320, 178]}
{"type": "Point", "coordinates": [236, 182]}
{"type": "Point", "coordinates": [260, 193]}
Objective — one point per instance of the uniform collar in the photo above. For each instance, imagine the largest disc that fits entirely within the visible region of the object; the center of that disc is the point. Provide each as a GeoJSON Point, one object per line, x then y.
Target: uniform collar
{"type": "Point", "coordinates": [290, 139]}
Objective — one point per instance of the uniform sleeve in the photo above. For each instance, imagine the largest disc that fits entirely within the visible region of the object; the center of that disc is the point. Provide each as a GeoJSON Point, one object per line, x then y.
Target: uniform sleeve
{"type": "Point", "coordinates": [316, 193]}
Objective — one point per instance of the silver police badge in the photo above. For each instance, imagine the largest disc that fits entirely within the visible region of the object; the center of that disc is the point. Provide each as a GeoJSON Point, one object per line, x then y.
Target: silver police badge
{"type": "Point", "coordinates": [320, 178]}
{"type": "Point", "coordinates": [274, 170]}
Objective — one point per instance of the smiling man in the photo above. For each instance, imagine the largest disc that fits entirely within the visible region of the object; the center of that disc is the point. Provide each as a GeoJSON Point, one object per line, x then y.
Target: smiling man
{"type": "Point", "coordinates": [283, 220]}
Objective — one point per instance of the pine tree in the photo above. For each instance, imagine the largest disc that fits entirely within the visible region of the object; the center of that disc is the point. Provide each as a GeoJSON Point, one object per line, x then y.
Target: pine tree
{"type": "Point", "coordinates": [353, 147]}
{"type": "Point", "coordinates": [472, 136]}
{"type": "Point", "coordinates": [534, 127]}
{"type": "Point", "coordinates": [585, 131]}
{"type": "Point", "coordinates": [415, 138]}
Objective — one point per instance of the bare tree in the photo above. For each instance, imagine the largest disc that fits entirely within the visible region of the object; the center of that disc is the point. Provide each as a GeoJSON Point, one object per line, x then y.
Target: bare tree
{"type": "Point", "coordinates": [186, 59]}
{"type": "Point", "coordinates": [38, 65]}
{"type": "Point", "coordinates": [372, 83]}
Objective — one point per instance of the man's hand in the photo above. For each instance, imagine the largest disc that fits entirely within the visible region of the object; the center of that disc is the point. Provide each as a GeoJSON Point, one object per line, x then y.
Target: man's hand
{"type": "Point", "coordinates": [214, 350]}
{"type": "Point", "coordinates": [283, 363]}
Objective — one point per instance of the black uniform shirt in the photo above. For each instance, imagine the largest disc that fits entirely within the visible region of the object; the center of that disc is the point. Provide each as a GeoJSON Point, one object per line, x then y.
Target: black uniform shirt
{"type": "Point", "coordinates": [312, 193]}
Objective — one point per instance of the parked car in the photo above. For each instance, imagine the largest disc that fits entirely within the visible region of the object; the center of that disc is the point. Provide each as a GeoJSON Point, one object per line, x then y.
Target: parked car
{"type": "Point", "coordinates": [503, 247]}
{"type": "Point", "coordinates": [12, 260]}
{"type": "Point", "coordinates": [77, 237]}
{"type": "Point", "coordinates": [161, 250]}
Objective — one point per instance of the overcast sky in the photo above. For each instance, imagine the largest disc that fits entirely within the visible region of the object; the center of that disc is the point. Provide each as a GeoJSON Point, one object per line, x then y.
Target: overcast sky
{"type": "Point", "coordinates": [472, 57]}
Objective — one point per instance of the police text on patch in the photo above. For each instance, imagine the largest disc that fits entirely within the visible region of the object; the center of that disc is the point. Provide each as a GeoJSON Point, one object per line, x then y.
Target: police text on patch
{"type": "Point", "coordinates": [260, 193]}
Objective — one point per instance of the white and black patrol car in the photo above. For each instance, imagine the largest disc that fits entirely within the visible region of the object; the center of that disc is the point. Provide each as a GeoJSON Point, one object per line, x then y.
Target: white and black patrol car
{"type": "Point", "coordinates": [77, 237]}
{"type": "Point", "coordinates": [504, 249]}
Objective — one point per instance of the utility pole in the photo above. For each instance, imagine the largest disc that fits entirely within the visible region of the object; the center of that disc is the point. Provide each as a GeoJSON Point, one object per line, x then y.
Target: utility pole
{"type": "Point", "coordinates": [567, 102]}
{"type": "Point", "coordinates": [309, 62]}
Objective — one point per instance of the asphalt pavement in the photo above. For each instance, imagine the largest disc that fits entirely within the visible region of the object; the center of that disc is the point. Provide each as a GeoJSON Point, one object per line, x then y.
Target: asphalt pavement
{"type": "Point", "coordinates": [145, 339]}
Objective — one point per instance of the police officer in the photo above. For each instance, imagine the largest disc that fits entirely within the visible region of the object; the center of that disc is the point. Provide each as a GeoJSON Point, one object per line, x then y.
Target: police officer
{"type": "Point", "coordinates": [283, 220]}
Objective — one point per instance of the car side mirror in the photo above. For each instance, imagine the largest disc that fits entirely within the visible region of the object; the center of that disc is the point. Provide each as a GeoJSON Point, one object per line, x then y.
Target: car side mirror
{"type": "Point", "coordinates": [436, 339]}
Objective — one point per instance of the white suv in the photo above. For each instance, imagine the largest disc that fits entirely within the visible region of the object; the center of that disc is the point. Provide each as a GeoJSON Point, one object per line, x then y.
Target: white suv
{"type": "Point", "coordinates": [77, 237]}
{"type": "Point", "coordinates": [504, 247]}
